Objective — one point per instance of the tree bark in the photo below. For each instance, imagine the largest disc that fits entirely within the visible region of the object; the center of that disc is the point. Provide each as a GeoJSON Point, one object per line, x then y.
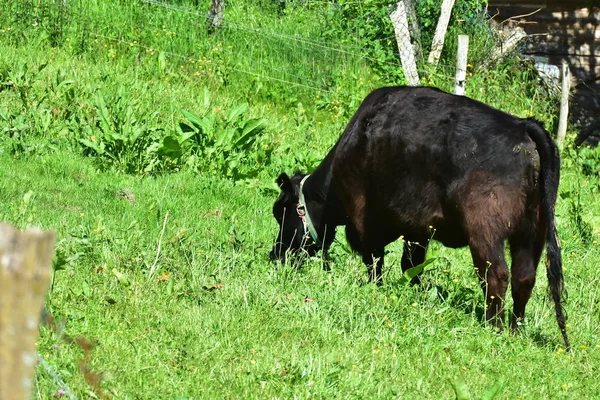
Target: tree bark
{"type": "Point", "coordinates": [405, 48]}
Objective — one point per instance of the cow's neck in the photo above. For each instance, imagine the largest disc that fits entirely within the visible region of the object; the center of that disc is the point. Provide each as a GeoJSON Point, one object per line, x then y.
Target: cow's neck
{"type": "Point", "coordinates": [322, 201]}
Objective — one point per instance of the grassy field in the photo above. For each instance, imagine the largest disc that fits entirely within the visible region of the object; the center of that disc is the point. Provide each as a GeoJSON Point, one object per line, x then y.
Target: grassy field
{"type": "Point", "coordinates": [159, 184]}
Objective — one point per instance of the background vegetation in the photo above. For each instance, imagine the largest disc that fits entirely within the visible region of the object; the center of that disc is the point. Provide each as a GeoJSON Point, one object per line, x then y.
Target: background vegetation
{"type": "Point", "coordinates": [148, 144]}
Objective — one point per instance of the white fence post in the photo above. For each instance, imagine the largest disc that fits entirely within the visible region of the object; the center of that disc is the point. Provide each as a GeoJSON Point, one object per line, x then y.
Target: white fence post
{"type": "Point", "coordinates": [407, 55]}
{"type": "Point", "coordinates": [461, 64]}
{"type": "Point", "coordinates": [440, 32]}
{"type": "Point", "coordinates": [564, 104]}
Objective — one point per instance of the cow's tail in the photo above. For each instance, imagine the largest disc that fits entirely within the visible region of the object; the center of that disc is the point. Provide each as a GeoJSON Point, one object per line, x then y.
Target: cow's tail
{"type": "Point", "coordinates": [550, 177]}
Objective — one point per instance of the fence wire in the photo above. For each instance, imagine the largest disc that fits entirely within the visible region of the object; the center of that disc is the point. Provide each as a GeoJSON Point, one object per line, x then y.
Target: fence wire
{"type": "Point", "coordinates": [188, 57]}
{"type": "Point", "coordinates": [413, 46]}
{"type": "Point", "coordinates": [311, 63]}
{"type": "Point", "coordinates": [290, 59]}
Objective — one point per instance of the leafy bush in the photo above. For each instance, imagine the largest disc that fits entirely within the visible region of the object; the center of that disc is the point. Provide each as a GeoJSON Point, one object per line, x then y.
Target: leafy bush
{"type": "Point", "coordinates": [122, 134]}
{"type": "Point", "coordinates": [27, 118]}
{"type": "Point", "coordinates": [128, 138]}
{"type": "Point", "coordinates": [228, 143]}
{"type": "Point", "coordinates": [590, 163]}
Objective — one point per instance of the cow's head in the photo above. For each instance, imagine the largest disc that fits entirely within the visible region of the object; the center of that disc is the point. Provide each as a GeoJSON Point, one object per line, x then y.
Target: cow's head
{"type": "Point", "coordinates": [292, 236]}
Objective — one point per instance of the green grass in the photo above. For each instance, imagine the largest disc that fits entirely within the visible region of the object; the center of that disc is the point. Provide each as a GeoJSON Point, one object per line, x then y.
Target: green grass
{"type": "Point", "coordinates": [216, 319]}
{"type": "Point", "coordinates": [270, 330]}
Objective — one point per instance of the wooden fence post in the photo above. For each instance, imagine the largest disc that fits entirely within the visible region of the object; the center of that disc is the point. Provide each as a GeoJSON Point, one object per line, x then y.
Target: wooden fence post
{"type": "Point", "coordinates": [407, 55]}
{"type": "Point", "coordinates": [25, 265]}
{"type": "Point", "coordinates": [440, 32]}
{"type": "Point", "coordinates": [461, 64]}
{"type": "Point", "coordinates": [215, 15]}
{"type": "Point", "coordinates": [564, 104]}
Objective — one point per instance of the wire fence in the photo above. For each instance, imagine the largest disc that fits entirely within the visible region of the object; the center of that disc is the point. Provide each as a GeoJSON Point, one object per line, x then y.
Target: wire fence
{"type": "Point", "coordinates": [320, 51]}
{"type": "Point", "coordinates": [311, 62]}
{"type": "Point", "coordinates": [266, 51]}
{"type": "Point", "coordinates": [187, 57]}
{"type": "Point", "coordinates": [357, 51]}
{"type": "Point", "coordinates": [271, 55]}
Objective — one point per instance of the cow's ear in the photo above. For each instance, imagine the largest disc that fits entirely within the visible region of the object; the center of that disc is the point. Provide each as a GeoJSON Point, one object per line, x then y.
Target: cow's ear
{"type": "Point", "coordinates": [285, 183]}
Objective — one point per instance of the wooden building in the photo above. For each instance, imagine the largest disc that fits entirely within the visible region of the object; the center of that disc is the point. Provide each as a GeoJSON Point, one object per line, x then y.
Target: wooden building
{"type": "Point", "coordinates": [562, 30]}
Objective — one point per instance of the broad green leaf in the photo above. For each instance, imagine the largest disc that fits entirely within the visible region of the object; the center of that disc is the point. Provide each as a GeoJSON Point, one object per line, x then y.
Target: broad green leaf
{"type": "Point", "coordinates": [92, 145]}
{"type": "Point", "coordinates": [206, 127]}
{"type": "Point", "coordinates": [170, 147]}
{"type": "Point", "coordinates": [225, 137]}
{"type": "Point", "coordinates": [162, 62]}
{"type": "Point", "coordinates": [116, 136]}
{"type": "Point", "coordinates": [432, 252]}
{"type": "Point", "coordinates": [65, 83]}
{"type": "Point", "coordinates": [202, 125]}
{"type": "Point", "coordinates": [20, 126]}
{"type": "Point", "coordinates": [461, 390]}
{"type": "Point", "coordinates": [236, 112]}
{"type": "Point", "coordinates": [74, 257]}
{"type": "Point", "coordinates": [170, 287]}
{"type": "Point", "coordinates": [153, 148]}
{"type": "Point", "coordinates": [129, 116]}
{"type": "Point", "coordinates": [414, 271]}
{"type": "Point", "coordinates": [206, 98]}
{"type": "Point", "coordinates": [251, 129]}
{"type": "Point", "coordinates": [185, 136]}
{"type": "Point", "coordinates": [85, 289]}
{"type": "Point", "coordinates": [121, 277]}
{"type": "Point", "coordinates": [191, 117]}
{"type": "Point", "coordinates": [28, 196]}
{"type": "Point", "coordinates": [494, 390]}
{"type": "Point", "coordinates": [136, 133]}
{"type": "Point", "coordinates": [233, 163]}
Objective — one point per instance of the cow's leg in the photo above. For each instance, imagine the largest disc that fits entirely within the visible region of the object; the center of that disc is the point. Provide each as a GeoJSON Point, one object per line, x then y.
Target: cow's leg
{"type": "Point", "coordinates": [326, 259]}
{"type": "Point", "coordinates": [361, 236]}
{"type": "Point", "coordinates": [413, 255]}
{"type": "Point", "coordinates": [526, 249]}
{"type": "Point", "coordinates": [373, 259]}
{"type": "Point", "coordinates": [491, 268]}
{"type": "Point", "coordinates": [490, 209]}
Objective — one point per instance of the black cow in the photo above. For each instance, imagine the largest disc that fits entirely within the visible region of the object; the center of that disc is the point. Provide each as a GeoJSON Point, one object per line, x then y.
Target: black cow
{"type": "Point", "coordinates": [414, 160]}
